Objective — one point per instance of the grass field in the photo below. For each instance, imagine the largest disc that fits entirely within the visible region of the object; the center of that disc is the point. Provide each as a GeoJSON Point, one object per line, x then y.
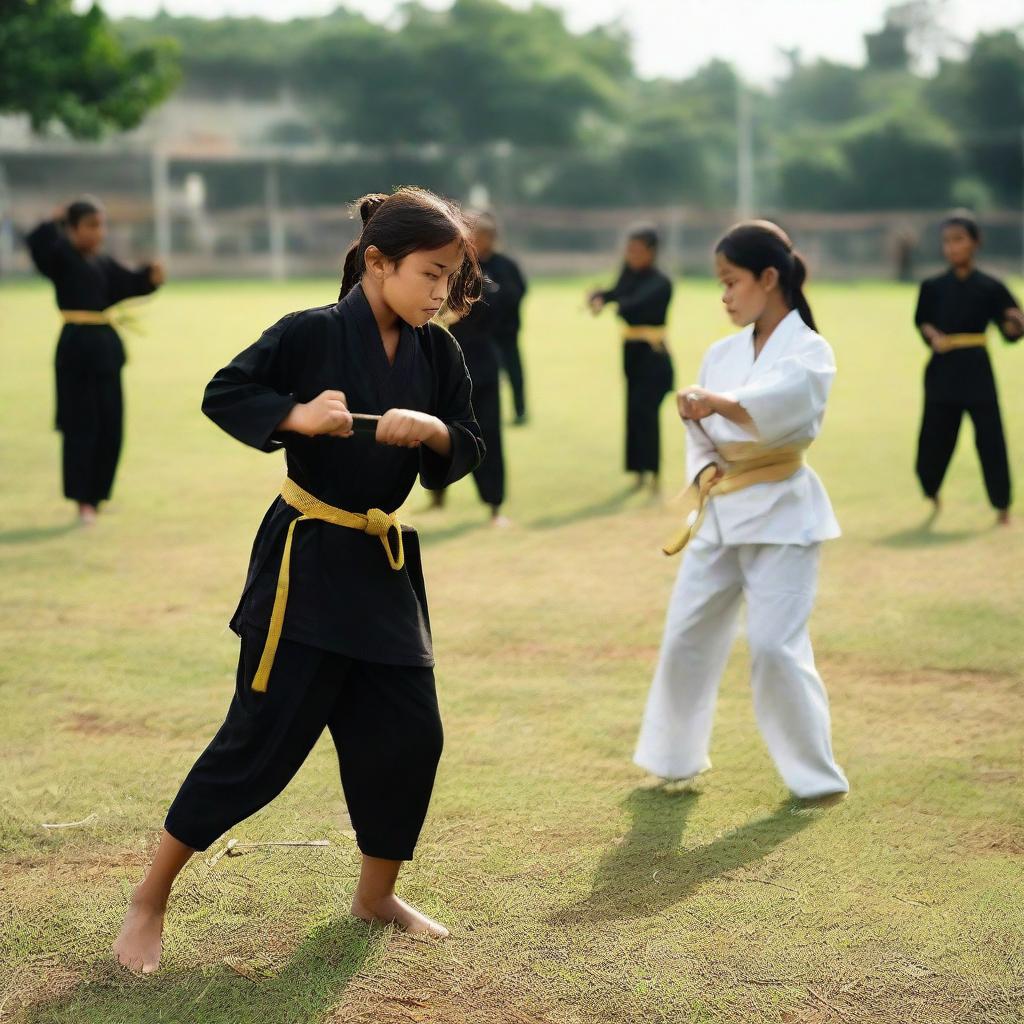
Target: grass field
{"type": "Point", "coordinates": [576, 890]}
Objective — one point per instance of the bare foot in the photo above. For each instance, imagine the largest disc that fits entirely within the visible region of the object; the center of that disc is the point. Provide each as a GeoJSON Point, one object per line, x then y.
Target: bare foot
{"type": "Point", "coordinates": [1003, 518]}
{"type": "Point", "coordinates": [138, 944]}
{"type": "Point", "coordinates": [500, 522]}
{"type": "Point", "coordinates": [87, 515]}
{"type": "Point", "coordinates": [392, 910]}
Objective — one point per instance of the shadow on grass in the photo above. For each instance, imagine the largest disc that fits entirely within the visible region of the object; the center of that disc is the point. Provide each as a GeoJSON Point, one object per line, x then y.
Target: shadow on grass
{"type": "Point", "coordinates": [303, 992]}
{"type": "Point", "coordinates": [604, 507]}
{"type": "Point", "coordinates": [34, 533]}
{"type": "Point", "coordinates": [926, 536]}
{"type": "Point", "coordinates": [646, 872]}
{"type": "Point", "coordinates": [437, 535]}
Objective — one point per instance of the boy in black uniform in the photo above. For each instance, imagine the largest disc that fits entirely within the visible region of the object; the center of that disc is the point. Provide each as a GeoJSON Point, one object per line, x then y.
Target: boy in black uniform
{"type": "Point", "coordinates": [643, 294]}
{"type": "Point", "coordinates": [954, 310]}
{"type": "Point", "coordinates": [88, 282]}
{"type": "Point", "coordinates": [505, 301]}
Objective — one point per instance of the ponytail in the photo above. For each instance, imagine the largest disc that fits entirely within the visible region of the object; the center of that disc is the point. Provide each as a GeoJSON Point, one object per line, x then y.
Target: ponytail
{"type": "Point", "coordinates": [367, 207]}
{"type": "Point", "coordinates": [756, 245]}
{"type": "Point", "coordinates": [408, 220]}
{"type": "Point", "coordinates": [797, 299]}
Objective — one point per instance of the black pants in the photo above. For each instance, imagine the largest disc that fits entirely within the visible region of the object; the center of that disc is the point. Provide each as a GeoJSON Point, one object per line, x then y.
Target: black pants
{"type": "Point", "coordinates": [648, 379]}
{"type": "Point", "coordinates": [512, 363]}
{"type": "Point", "coordinates": [385, 725]}
{"type": "Point", "coordinates": [90, 411]}
{"type": "Point", "coordinates": [940, 427]}
{"type": "Point", "coordinates": [489, 476]}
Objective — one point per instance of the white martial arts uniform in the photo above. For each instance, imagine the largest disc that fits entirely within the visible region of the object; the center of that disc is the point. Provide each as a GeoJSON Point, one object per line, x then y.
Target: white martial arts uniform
{"type": "Point", "coordinates": [761, 543]}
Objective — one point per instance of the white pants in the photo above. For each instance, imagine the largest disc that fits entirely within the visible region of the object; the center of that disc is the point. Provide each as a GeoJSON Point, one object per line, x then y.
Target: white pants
{"type": "Point", "coordinates": [779, 582]}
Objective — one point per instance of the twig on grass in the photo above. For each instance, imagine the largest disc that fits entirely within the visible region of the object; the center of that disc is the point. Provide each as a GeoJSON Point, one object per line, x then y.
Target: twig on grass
{"type": "Point", "coordinates": [831, 1006]}
{"type": "Point", "coordinates": [232, 843]}
{"type": "Point", "coordinates": [239, 848]}
{"type": "Point", "coordinates": [763, 881]}
{"type": "Point", "coordinates": [236, 849]}
{"type": "Point", "coordinates": [69, 824]}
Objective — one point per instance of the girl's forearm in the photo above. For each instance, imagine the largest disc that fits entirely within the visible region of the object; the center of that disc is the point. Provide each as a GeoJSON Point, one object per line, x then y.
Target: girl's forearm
{"type": "Point", "coordinates": [441, 441]}
{"type": "Point", "coordinates": [731, 410]}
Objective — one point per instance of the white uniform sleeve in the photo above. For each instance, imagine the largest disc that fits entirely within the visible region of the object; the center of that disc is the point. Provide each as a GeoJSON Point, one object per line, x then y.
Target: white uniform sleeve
{"type": "Point", "coordinates": [700, 449]}
{"type": "Point", "coordinates": [788, 400]}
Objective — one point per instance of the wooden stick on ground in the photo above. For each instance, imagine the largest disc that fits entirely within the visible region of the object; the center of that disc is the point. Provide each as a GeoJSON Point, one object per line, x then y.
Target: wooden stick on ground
{"type": "Point", "coordinates": [69, 824]}
{"type": "Point", "coordinates": [236, 849]}
{"type": "Point", "coordinates": [232, 843]}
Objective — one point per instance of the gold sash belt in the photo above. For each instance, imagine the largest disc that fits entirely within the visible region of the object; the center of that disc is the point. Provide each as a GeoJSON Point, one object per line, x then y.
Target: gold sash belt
{"type": "Point", "coordinates": [375, 522]}
{"type": "Point", "coordinates": [965, 341]}
{"type": "Point", "coordinates": [116, 316]}
{"type": "Point", "coordinates": [750, 462]}
{"type": "Point", "coordinates": [655, 336]}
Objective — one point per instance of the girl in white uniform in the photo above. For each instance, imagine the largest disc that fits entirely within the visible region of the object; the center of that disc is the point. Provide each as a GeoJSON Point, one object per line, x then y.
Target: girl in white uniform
{"type": "Point", "coordinates": [758, 518]}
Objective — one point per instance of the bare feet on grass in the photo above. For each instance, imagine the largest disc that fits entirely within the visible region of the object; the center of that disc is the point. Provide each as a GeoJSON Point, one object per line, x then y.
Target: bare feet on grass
{"type": "Point", "coordinates": [138, 944]}
{"type": "Point", "coordinates": [392, 910]}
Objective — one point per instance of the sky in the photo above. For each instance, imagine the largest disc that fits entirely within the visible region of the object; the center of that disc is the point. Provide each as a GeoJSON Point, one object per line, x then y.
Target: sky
{"type": "Point", "coordinates": [671, 38]}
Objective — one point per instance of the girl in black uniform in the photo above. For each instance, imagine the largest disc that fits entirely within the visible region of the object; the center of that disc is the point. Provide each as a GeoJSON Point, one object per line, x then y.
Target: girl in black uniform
{"type": "Point", "coordinates": [90, 409]}
{"type": "Point", "coordinates": [643, 294]}
{"type": "Point", "coordinates": [506, 303]}
{"type": "Point", "coordinates": [333, 619]}
{"type": "Point", "coordinates": [476, 335]}
{"type": "Point", "coordinates": [954, 310]}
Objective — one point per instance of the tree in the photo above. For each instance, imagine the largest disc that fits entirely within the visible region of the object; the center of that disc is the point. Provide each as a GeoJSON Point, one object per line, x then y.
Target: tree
{"type": "Point", "coordinates": [814, 178]}
{"type": "Point", "coordinates": [479, 72]}
{"type": "Point", "coordinates": [983, 97]}
{"type": "Point", "coordinates": [823, 93]}
{"type": "Point", "coordinates": [887, 48]}
{"type": "Point", "coordinates": [59, 66]}
{"type": "Point", "coordinates": [899, 162]}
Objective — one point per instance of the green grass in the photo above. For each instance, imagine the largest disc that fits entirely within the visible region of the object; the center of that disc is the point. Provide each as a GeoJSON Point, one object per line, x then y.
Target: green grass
{"type": "Point", "coordinates": [576, 891]}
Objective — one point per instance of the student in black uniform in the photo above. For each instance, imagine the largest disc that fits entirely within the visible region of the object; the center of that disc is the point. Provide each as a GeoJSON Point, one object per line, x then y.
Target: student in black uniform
{"type": "Point", "coordinates": [90, 409]}
{"type": "Point", "coordinates": [954, 310]}
{"type": "Point", "coordinates": [333, 619]}
{"type": "Point", "coordinates": [643, 294]}
{"type": "Point", "coordinates": [475, 333]}
{"type": "Point", "coordinates": [506, 301]}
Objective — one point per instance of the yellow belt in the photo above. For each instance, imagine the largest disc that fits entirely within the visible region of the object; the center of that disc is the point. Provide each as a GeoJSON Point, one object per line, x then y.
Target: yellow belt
{"type": "Point", "coordinates": [113, 316]}
{"type": "Point", "coordinates": [375, 522]}
{"type": "Point", "coordinates": [750, 462]}
{"type": "Point", "coordinates": [655, 336]}
{"type": "Point", "coordinates": [966, 341]}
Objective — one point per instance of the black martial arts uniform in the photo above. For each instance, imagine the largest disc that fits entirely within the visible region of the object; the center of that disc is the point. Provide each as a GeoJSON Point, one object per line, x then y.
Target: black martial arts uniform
{"type": "Point", "coordinates": [506, 302]}
{"type": "Point", "coordinates": [961, 380]}
{"type": "Point", "coordinates": [476, 333]}
{"type": "Point", "coordinates": [355, 653]}
{"type": "Point", "coordinates": [90, 409]}
{"type": "Point", "coordinates": [643, 297]}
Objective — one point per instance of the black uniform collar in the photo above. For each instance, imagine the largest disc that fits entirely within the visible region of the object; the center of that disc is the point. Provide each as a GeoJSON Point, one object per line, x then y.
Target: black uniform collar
{"type": "Point", "coordinates": [386, 375]}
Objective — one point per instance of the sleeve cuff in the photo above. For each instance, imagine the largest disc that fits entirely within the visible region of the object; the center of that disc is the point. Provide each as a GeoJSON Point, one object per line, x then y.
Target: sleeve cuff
{"type": "Point", "coordinates": [436, 471]}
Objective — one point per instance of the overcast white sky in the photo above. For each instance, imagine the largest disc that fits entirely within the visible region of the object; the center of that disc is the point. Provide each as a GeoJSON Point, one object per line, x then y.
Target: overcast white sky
{"type": "Point", "coordinates": [671, 37]}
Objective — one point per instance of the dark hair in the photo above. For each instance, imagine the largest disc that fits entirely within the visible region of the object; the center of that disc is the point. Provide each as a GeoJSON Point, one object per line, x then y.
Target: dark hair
{"type": "Point", "coordinates": [483, 219]}
{"type": "Point", "coordinates": [406, 221]}
{"type": "Point", "coordinates": [82, 207]}
{"type": "Point", "coordinates": [756, 245]}
{"type": "Point", "coordinates": [962, 219]}
{"type": "Point", "coordinates": [646, 233]}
